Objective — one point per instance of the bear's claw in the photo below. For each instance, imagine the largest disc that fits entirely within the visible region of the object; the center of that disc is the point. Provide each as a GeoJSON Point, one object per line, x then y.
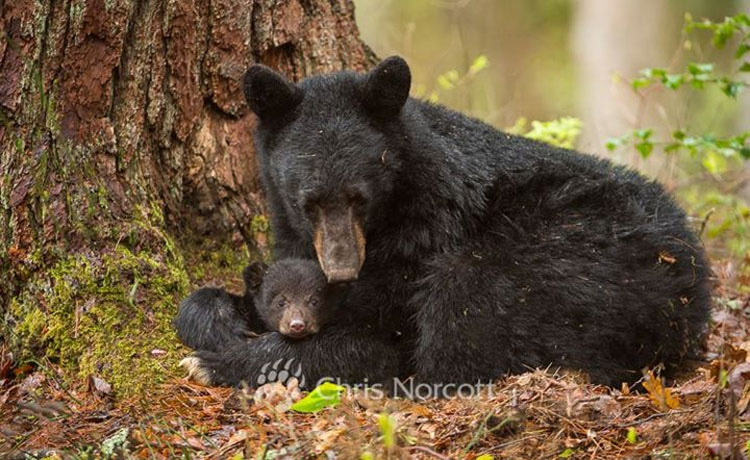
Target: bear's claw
{"type": "Point", "coordinates": [196, 371]}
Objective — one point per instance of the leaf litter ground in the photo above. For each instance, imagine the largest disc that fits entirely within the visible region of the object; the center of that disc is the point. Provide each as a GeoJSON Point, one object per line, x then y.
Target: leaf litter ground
{"type": "Point", "coordinates": [705, 413]}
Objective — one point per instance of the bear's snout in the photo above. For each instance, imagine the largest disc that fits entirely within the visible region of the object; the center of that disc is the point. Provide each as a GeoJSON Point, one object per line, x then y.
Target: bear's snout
{"type": "Point", "coordinates": [340, 244]}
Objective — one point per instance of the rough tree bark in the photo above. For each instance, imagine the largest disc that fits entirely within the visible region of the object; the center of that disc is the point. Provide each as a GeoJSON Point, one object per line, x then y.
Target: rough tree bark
{"type": "Point", "coordinates": [123, 125]}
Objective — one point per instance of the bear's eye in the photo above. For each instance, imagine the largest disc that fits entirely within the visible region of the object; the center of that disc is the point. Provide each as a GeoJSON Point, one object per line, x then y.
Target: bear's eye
{"type": "Point", "coordinates": [314, 302]}
{"type": "Point", "coordinates": [281, 303]}
{"type": "Point", "coordinates": [309, 207]}
{"type": "Point", "coordinates": [309, 201]}
{"type": "Point", "coordinates": [356, 198]}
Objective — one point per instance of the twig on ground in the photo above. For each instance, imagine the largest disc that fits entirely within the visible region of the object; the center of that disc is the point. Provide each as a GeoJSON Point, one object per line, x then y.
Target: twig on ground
{"type": "Point", "coordinates": [427, 450]}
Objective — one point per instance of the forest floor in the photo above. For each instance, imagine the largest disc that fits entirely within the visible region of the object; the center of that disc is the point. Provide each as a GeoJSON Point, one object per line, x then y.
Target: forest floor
{"type": "Point", "coordinates": [705, 413]}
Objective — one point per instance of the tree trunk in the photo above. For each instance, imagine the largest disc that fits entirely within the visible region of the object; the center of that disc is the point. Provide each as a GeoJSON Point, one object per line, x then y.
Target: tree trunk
{"type": "Point", "coordinates": [124, 125]}
{"type": "Point", "coordinates": [609, 107]}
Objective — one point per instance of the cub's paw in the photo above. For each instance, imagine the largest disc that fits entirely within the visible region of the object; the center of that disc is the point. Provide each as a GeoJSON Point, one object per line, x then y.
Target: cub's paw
{"type": "Point", "coordinates": [197, 371]}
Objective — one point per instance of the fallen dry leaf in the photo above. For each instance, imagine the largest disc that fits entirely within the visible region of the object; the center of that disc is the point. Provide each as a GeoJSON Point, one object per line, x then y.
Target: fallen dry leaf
{"type": "Point", "coordinates": [237, 437]}
{"type": "Point", "coordinates": [99, 385]}
{"type": "Point", "coordinates": [420, 410]}
{"type": "Point", "coordinates": [661, 397]}
{"type": "Point", "coordinates": [327, 439]}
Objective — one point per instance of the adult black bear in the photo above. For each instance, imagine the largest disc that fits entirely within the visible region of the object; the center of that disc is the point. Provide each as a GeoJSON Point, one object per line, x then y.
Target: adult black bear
{"type": "Point", "coordinates": [470, 253]}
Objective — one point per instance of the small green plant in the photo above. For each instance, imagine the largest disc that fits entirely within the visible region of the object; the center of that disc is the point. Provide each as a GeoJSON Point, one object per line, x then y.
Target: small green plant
{"type": "Point", "coordinates": [632, 435]}
{"type": "Point", "coordinates": [567, 453]}
{"type": "Point", "coordinates": [387, 425]}
{"type": "Point", "coordinates": [115, 443]}
{"type": "Point", "coordinates": [452, 79]}
{"type": "Point", "coordinates": [562, 132]}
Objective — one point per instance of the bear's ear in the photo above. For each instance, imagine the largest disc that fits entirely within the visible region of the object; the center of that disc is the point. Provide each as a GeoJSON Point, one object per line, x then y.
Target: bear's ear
{"type": "Point", "coordinates": [386, 87]}
{"type": "Point", "coordinates": [269, 94]}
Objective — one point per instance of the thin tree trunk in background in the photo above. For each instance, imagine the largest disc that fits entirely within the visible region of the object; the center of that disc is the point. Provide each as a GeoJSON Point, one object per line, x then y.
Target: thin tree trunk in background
{"type": "Point", "coordinates": [743, 118]}
{"type": "Point", "coordinates": [113, 106]}
{"type": "Point", "coordinates": [615, 38]}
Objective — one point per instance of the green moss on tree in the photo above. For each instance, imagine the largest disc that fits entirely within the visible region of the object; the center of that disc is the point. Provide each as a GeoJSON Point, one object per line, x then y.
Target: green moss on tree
{"type": "Point", "coordinates": [105, 313]}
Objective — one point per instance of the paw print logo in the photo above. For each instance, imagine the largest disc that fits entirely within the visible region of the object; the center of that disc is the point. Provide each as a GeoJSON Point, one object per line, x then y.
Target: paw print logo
{"type": "Point", "coordinates": [280, 371]}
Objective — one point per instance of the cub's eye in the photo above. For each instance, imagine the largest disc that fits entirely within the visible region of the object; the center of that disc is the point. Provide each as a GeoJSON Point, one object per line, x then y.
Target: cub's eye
{"type": "Point", "coordinates": [281, 303]}
{"type": "Point", "coordinates": [314, 302]}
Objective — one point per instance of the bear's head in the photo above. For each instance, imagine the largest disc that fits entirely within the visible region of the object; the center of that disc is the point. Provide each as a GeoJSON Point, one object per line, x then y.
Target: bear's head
{"type": "Point", "coordinates": [324, 146]}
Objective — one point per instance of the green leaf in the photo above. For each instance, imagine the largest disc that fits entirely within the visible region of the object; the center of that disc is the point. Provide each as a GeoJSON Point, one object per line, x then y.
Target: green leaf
{"type": "Point", "coordinates": [690, 142]}
{"type": "Point", "coordinates": [567, 453]}
{"type": "Point", "coordinates": [709, 138]}
{"type": "Point", "coordinates": [654, 72]}
{"type": "Point", "coordinates": [612, 143]}
{"type": "Point", "coordinates": [673, 81]}
{"type": "Point", "coordinates": [325, 395]}
{"type": "Point", "coordinates": [673, 147]}
{"type": "Point", "coordinates": [644, 133]}
{"type": "Point", "coordinates": [723, 33]}
{"type": "Point", "coordinates": [714, 162]}
{"type": "Point", "coordinates": [479, 64]}
{"type": "Point", "coordinates": [745, 153]}
{"type": "Point", "coordinates": [444, 82]}
{"type": "Point", "coordinates": [723, 378]}
{"type": "Point", "coordinates": [696, 68]}
{"type": "Point", "coordinates": [366, 455]}
{"type": "Point", "coordinates": [640, 83]}
{"type": "Point", "coordinates": [741, 50]}
{"type": "Point", "coordinates": [485, 457]}
{"type": "Point", "coordinates": [387, 426]}
{"type": "Point", "coordinates": [732, 88]}
{"type": "Point", "coordinates": [679, 134]}
{"type": "Point", "coordinates": [745, 67]}
{"type": "Point", "coordinates": [561, 133]}
{"type": "Point", "coordinates": [644, 148]}
{"type": "Point", "coordinates": [728, 152]}
{"type": "Point", "coordinates": [632, 435]}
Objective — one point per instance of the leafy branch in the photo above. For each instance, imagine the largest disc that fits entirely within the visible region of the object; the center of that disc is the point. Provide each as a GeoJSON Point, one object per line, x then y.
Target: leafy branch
{"type": "Point", "coordinates": [714, 151]}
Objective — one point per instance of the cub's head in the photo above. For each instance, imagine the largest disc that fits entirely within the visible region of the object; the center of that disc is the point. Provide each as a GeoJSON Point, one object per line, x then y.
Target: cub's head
{"type": "Point", "coordinates": [293, 298]}
{"type": "Point", "coordinates": [324, 145]}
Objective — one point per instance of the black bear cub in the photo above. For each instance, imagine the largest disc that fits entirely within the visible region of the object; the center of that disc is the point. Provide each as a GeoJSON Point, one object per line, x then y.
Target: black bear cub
{"type": "Point", "coordinates": [292, 299]}
{"type": "Point", "coordinates": [289, 297]}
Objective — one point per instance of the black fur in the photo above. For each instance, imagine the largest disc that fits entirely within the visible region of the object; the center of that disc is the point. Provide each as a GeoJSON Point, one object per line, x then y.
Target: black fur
{"type": "Point", "coordinates": [213, 319]}
{"type": "Point", "coordinates": [294, 289]}
{"type": "Point", "coordinates": [268, 94]}
{"type": "Point", "coordinates": [486, 253]}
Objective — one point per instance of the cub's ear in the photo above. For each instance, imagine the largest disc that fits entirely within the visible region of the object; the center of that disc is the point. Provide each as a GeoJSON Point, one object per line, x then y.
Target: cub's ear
{"type": "Point", "coordinates": [269, 94]}
{"type": "Point", "coordinates": [253, 277]}
{"type": "Point", "coordinates": [386, 87]}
